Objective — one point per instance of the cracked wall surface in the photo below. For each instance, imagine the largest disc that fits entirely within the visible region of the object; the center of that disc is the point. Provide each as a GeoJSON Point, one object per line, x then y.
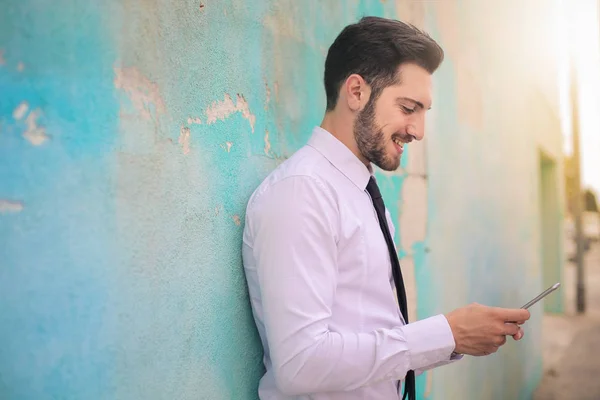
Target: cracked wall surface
{"type": "Point", "coordinates": [132, 135]}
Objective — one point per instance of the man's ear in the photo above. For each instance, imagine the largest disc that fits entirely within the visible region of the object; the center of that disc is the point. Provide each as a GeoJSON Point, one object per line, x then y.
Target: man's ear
{"type": "Point", "coordinates": [356, 92]}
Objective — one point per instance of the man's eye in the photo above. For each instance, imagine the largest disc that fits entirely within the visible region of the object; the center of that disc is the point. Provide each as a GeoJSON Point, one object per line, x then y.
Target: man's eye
{"type": "Point", "coordinates": [408, 110]}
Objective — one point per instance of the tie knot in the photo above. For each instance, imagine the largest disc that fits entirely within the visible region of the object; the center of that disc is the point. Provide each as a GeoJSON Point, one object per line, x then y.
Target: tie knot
{"type": "Point", "coordinates": [373, 189]}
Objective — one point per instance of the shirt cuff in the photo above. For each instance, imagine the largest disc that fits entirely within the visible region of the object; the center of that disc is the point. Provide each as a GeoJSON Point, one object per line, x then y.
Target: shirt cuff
{"type": "Point", "coordinates": [430, 341]}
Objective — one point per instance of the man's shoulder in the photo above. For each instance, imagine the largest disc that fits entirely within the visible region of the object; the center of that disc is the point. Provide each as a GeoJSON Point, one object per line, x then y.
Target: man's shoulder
{"type": "Point", "coordinates": [307, 165]}
{"type": "Point", "coordinates": [305, 162]}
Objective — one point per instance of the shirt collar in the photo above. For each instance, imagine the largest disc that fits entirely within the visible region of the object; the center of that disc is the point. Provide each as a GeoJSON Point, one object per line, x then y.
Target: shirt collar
{"type": "Point", "coordinates": [340, 157]}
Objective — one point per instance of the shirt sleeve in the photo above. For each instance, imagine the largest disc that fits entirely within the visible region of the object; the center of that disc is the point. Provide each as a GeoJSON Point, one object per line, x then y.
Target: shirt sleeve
{"type": "Point", "coordinates": [295, 227]}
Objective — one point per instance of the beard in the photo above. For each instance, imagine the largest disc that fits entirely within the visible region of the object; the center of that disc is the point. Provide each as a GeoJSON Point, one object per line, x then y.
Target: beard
{"type": "Point", "coordinates": [370, 139]}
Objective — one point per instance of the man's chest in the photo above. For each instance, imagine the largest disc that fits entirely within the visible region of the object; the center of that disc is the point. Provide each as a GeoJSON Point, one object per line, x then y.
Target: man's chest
{"type": "Point", "coordinates": [364, 292]}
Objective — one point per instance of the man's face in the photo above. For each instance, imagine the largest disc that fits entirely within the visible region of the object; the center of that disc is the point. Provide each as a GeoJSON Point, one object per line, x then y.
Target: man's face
{"type": "Point", "coordinates": [395, 118]}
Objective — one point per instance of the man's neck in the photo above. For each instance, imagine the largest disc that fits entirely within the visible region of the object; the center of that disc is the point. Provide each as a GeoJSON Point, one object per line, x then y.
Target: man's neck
{"type": "Point", "coordinates": [343, 131]}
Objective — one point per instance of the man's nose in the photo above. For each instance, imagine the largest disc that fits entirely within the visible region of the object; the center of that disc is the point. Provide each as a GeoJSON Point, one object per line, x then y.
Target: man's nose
{"type": "Point", "coordinates": [414, 132]}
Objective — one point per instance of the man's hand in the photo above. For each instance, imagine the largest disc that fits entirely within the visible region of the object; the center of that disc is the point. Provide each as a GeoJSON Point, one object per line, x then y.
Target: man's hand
{"type": "Point", "coordinates": [519, 334]}
{"type": "Point", "coordinates": [480, 330]}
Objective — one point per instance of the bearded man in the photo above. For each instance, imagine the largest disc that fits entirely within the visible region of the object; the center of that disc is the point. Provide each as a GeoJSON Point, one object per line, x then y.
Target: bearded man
{"type": "Point", "coordinates": [323, 274]}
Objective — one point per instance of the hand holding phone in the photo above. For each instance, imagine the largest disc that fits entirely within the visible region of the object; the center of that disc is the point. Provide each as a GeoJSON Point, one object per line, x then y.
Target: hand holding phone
{"type": "Point", "coordinates": [538, 298]}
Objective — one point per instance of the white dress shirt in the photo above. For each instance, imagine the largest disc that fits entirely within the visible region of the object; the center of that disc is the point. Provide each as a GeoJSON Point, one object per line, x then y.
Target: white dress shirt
{"type": "Point", "coordinates": [321, 287]}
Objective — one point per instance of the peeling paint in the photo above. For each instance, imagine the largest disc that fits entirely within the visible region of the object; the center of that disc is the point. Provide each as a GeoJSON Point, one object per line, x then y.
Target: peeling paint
{"type": "Point", "coordinates": [36, 135]}
{"type": "Point", "coordinates": [236, 220]}
{"type": "Point", "coordinates": [267, 143]}
{"type": "Point", "coordinates": [428, 383]}
{"type": "Point", "coordinates": [447, 20]}
{"type": "Point", "coordinates": [416, 158]}
{"type": "Point", "coordinates": [221, 110]}
{"type": "Point", "coordinates": [20, 110]}
{"type": "Point", "coordinates": [227, 146]}
{"type": "Point", "coordinates": [20, 67]}
{"type": "Point", "coordinates": [8, 206]}
{"type": "Point", "coordinates": [201, 6]}
{"type": "Point", "coordinates": [143, 93]}
{"type": "Point", "coordinates": [411, 11]}
{"type": "Point", "coordinates": [413, 217]}
{"type": "Point", "coordinates": [268, 95]}
{"type": "Point", "coordinates": [184, 139]}
{"type": "Point", "coordinates": [407, 264]}
{"type": "Point", "coordinates": [194, 120]}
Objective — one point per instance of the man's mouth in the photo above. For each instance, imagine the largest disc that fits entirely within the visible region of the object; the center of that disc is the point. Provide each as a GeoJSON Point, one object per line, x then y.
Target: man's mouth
{"type": "Point", "coordinates": [399, 142]}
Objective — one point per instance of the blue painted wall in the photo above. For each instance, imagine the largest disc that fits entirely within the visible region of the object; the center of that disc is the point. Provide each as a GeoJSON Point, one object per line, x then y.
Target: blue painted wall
{"type": "Point", "coordinates": [131, 136]}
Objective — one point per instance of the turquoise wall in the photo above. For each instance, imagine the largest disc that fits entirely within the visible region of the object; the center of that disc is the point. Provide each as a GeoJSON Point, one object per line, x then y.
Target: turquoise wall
{"type": "Point", "coordinates": [132, 135]}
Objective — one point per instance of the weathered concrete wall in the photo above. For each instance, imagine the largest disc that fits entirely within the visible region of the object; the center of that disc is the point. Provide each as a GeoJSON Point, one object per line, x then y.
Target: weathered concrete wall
{"type": "Point", "coordinates": [132, 134]}
{"type": "Point", "coordinates": [495, 118]}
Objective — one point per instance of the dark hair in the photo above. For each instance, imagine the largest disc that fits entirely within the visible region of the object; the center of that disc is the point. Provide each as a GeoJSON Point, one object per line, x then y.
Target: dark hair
{"type": "Point", "coordinates": [374, 48]}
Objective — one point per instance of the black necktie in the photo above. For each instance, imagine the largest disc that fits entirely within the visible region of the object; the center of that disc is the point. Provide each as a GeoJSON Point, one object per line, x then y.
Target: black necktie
{"type": "Point", "coordinates": [373, 189]}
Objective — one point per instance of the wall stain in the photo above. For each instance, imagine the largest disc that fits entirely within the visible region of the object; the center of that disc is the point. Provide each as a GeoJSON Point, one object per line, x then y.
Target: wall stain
{"type": "Point", "coordinates": [411, 11]}
{"type": "Point", "coordinates": [20, 110]}
{"type": "Point", "coordinates": [267, 143]}
{"type": "Point", "coordinates": [283, 24]}
{"type": "Point", "coordinates": [276, 87]}
{"type": "Point", "coordinates": [227, 146]}
{"type": "Point", "coordinates": [428, 383]}
{"type": "Point", "coordinates": [36, 135]}
{"type": "Point", "coordinates": [2, 59]}
{"type": "Point", "coordinates": [20, 66]}
{"type": "Point", "coordinates": [467, 65]}
{"type": "Point", "coordinates": [194, 120]}
{"type": "Point", "coordinates": [268, 95]}
{"type": "Point", "coordinates": [221, 110]}
{"type": "Point", "coordinates": [9, 206]}
{"type": "Point", "coordinates": [236, 220]}
{"type": "Point", "coordinates": [184, 139]}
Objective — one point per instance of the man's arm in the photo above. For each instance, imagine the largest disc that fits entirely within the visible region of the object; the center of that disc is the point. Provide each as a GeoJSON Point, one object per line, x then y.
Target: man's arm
{"type": "Point", "coordinates": [453, 358]}
{"type": "Point", "coordinates": [296, 227]}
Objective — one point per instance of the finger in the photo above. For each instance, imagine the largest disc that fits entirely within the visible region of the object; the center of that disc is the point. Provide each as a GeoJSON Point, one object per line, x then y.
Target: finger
{"type": "Point", "coordinates": [510, 329]}
{"type": "Point", "coordinates": [513, 314]}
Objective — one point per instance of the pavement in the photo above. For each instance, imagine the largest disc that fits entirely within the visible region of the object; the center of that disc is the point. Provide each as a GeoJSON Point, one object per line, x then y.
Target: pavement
{"type": "Point", "coordinates": [571, 342]}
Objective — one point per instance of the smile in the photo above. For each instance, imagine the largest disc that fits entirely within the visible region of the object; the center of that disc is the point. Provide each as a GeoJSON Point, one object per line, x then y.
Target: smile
{"type": "Point", "coordinates": [399, 143]}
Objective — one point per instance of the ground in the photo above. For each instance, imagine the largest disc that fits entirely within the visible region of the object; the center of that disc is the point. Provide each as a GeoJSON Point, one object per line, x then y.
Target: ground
{"type": "Point", "coordinates": [572, 341]}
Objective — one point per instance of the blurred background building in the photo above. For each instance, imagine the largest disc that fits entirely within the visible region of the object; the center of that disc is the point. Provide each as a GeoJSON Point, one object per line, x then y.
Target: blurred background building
{"type": "Point", "coordinates": [133, 133]}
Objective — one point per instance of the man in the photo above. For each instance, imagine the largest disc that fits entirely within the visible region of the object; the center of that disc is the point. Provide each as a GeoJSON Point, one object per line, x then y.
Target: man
{"type": "Point", "coordinates": [322, 271]}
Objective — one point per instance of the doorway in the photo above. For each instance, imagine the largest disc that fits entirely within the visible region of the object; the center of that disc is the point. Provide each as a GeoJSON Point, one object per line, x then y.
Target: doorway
{"type": "Point", "coordinates": [551, 234]}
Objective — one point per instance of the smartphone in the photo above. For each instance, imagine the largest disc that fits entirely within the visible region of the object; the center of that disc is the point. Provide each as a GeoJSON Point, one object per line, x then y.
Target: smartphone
{"type": "Point", "coordinates": [542, 295]}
